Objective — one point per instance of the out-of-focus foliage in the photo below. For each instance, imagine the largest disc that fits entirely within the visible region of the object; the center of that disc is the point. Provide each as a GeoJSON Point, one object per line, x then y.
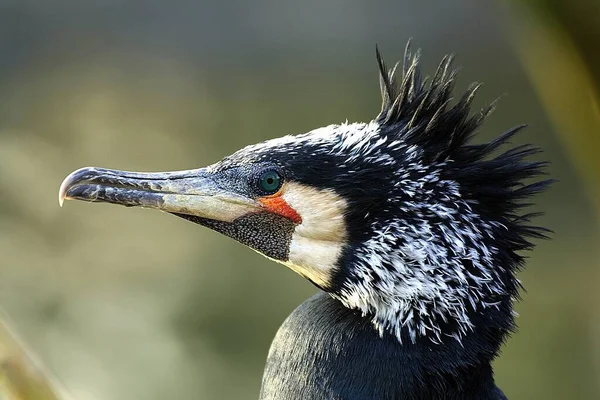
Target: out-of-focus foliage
{"type": "Point", "coordinates": [559, 46]}
{"type": "Point", "coordinates": [579, 20]}
{"type": "Point", "coordinates": [21, 377]}
{"type": "Point", "coordinates": [133, 304]}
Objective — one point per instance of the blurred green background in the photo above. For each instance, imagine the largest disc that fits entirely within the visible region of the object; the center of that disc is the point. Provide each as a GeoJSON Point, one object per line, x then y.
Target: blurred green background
{"type": "Point", "coordinates": [132, 304]}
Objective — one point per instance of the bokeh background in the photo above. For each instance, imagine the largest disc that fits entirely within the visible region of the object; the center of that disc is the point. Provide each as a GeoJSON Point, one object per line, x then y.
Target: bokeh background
{"type": "Point", "coordinates": [116, 303]}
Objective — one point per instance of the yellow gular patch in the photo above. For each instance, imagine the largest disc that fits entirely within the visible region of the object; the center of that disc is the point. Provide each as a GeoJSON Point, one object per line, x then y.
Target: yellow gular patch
{"type": "Point", "coordinates": [317, 241]}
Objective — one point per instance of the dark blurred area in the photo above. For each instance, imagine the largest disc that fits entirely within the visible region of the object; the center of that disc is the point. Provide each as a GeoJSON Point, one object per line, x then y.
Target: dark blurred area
{"type": "Point", "coordinates": [123, 303]}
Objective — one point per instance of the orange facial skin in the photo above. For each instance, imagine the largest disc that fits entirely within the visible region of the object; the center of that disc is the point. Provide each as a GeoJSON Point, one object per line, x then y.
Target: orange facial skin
{"type": "Point", "coordinates": [277, 205]}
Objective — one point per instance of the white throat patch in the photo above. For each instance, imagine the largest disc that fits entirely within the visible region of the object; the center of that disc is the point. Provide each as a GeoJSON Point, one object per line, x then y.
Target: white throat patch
{"type": "Point", "coordinates": [317, 242]}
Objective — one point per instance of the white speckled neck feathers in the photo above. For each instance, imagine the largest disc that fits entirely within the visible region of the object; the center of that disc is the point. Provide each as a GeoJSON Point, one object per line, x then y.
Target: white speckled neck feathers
{"type": "Point", "coordinates": [435, 265]}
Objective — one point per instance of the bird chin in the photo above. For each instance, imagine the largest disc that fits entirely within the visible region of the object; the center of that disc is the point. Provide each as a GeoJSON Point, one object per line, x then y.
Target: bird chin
{"type": "Point", "coordinates": [277, 238]}
{"type": "Point", "coordinates": [267, 233]}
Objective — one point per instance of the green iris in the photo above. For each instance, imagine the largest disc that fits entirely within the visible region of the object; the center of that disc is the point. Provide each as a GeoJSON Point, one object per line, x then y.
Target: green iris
{"type": "Point", "coordinates": [270, 181]}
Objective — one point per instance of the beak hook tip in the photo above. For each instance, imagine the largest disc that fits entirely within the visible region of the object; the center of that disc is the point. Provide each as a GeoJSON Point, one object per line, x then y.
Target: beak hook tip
{"type": "Point", "coordinates": [61, 195]}
{"type": "Point", "coordinates": [64, 187]}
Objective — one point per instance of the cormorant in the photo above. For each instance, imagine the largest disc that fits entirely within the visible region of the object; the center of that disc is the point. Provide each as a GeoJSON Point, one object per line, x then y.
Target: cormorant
{"type": "Point", "coordinates": [411, 232]}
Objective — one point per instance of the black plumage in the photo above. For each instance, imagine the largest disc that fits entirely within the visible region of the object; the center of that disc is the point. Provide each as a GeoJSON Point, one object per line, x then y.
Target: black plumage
{"type": "Point", "coordinates": [323, 350]}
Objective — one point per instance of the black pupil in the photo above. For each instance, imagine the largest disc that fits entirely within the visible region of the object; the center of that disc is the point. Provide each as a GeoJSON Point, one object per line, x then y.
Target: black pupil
{"type": "Point", "coordinates": [270, 181]}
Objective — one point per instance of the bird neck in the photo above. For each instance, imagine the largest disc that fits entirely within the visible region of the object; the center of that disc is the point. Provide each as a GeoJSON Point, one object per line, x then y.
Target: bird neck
{"type": "Point", "coordinates": [325, 350]}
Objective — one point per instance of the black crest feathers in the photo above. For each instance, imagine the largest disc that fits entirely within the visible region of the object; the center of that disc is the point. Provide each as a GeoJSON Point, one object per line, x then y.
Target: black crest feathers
{"type": "Point", "coordinates": [418, 111]}
{"type": "Point", "coordinates": [420, 107]}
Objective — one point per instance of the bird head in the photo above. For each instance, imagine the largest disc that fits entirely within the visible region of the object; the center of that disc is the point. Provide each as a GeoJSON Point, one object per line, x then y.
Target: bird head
{"type": "Point", "coordinates": [400, 218]}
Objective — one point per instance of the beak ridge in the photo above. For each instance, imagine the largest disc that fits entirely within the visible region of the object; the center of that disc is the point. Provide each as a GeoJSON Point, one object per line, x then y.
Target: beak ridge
{"type": "Point", "coordinates": [190, 192]}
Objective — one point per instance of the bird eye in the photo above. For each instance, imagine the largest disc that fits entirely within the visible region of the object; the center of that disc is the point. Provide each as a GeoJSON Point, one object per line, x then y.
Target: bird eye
{"type": "Point", "coordinates": [270, 181]}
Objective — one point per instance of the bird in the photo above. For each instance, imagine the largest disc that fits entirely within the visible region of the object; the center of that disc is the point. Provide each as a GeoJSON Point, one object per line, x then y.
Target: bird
{"type": "Point", "coordinates": [412, 233]}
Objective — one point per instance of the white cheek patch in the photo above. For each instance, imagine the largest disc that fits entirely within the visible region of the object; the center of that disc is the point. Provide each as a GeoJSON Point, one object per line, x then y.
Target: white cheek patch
{"type": "Point", "coordinates": [317, 242]}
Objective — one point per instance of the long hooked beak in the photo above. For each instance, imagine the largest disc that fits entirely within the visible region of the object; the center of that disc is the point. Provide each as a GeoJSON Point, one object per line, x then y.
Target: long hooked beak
{"type": "Point", "coordinates": [192, 192]}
